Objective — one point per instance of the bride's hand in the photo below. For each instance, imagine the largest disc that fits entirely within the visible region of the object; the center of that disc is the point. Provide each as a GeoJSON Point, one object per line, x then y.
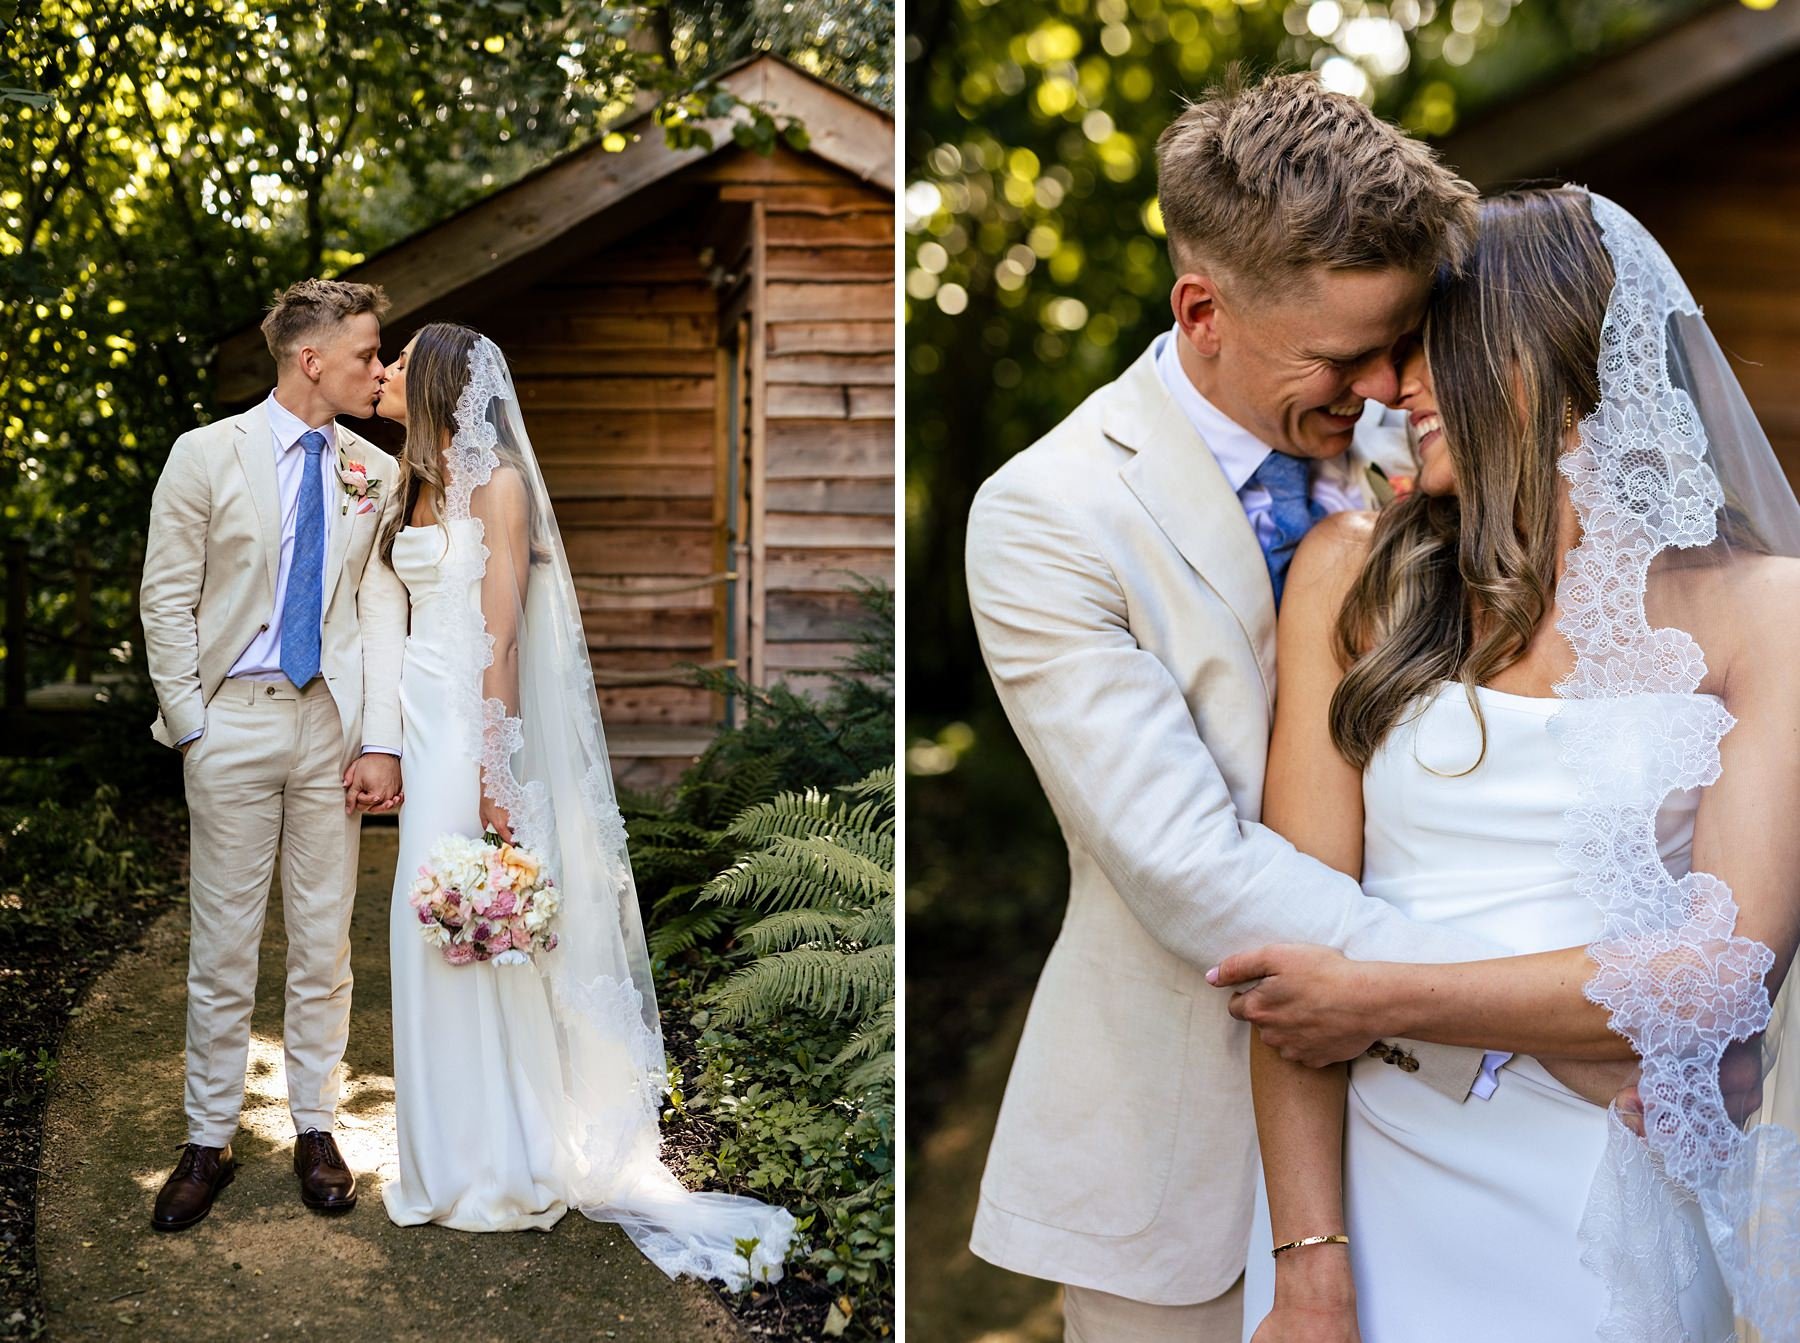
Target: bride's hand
{"type": "Point", "coordinates": [1308, 1324]}
{"type": "Point", "coordinates": [1312, 1004]}
{"type": "Point", "coordinates": [1315, 1299]}
{"type": "Point", "coordinates": [494, 817]}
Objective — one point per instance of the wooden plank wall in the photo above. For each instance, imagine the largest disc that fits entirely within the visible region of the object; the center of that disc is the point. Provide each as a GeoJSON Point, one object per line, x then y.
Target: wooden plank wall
{"type": "Point", "coordinates": [827, 508]}
{"type": "Point", "coordinates": [616, 363]}
{"type": "Point", "coordinates": [1724, 211]}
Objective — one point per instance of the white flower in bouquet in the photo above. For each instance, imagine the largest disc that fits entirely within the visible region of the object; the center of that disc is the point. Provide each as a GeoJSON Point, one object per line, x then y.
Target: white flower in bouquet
{"type": "Point", "coordinates": [485, 900]}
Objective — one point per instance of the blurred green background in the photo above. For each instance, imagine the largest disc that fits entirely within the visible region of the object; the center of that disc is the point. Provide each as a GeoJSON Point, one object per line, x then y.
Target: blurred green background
{"type": "Point", "coordinates": [1035, 272]}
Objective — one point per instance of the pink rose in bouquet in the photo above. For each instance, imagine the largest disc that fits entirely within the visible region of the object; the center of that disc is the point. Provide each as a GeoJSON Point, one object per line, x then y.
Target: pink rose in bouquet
{"type": "Point", "coordinates": [482, 900]}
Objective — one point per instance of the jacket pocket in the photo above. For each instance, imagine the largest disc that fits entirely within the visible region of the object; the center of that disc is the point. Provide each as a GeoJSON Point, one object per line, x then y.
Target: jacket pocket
{"type": "Point", "coordinates": [1086, 1135]}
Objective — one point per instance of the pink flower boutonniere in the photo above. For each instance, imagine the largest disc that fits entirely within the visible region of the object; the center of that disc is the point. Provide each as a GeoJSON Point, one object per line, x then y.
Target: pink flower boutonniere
{"type": "Point", "coordinates": [355, 478]}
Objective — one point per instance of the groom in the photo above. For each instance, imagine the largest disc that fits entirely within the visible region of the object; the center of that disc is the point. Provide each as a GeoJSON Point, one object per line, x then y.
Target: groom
{"type": "Point", "coordinates": [1124, 574]}
{"type": "Point", "coordinates": [274, 636]}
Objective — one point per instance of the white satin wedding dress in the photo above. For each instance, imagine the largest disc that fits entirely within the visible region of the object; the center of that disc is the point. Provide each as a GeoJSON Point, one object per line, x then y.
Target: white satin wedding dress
{"type": "Point", "coordinates": [1464, 1219]}
{"type": "Point", "coordinates": [477, 1152]}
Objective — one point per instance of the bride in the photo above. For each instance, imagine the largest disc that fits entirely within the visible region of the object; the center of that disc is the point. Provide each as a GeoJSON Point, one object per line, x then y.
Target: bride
{"type": "Point", "coordinates": [1552, 696]}
{"type": "Point", "coordinates": [521, 1090]}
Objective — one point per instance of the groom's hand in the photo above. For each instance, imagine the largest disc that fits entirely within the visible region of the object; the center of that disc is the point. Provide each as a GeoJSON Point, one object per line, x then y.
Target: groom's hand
{"type": "Point", "coordinates": [1312, 1004]}
{"type": "Point", "coordinates": [372, 783]}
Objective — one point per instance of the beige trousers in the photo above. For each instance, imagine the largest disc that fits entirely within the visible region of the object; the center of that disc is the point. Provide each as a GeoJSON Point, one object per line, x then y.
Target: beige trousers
{"type": "Point", "coordinates": [1100, 1317]}
{"type": "Point", "coordinates": [267, 775]}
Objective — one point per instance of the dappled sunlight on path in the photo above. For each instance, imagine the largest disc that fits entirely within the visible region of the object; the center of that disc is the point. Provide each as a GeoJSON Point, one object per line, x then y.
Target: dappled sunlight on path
{"type": "Point", "coordinates": [261, 1266]}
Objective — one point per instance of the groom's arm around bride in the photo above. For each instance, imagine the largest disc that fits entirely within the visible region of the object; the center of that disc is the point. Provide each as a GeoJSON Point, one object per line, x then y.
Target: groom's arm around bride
{"type": "Point", "coordinates": [1123, 574]}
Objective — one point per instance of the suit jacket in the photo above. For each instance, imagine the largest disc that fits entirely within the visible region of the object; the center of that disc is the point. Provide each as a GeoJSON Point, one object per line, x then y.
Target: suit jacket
{"type": "Point", "coordinates": [1125, 614]}
{"type": "Point", "coordinates": [209, 581]}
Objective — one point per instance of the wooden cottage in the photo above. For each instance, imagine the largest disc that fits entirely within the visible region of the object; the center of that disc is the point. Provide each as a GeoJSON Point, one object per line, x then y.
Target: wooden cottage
{"type": "Point", "coordinates": [1696, 131]}
{"type": "Point", "coordinates": [703, 343]}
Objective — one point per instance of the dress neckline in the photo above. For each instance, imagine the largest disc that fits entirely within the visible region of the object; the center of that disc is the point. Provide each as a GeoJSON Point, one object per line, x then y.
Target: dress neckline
{"type": "Point", "coordinates": [1549, 704]}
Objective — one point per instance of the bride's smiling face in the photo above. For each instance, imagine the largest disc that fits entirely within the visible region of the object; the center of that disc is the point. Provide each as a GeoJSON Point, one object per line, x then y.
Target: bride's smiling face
{"type": "Point", "coordinates": [1418, 398]}
{"type": "Point", "coordinates": [391, 405]}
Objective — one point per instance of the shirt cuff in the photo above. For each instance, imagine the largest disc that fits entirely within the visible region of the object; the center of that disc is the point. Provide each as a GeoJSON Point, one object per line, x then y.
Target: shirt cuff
{"type": "Point", "coordinates": [1488, 1081]}
{"type": "Point", "coordinates": [197, 732]}
{"type": "Point", "coordinates": [369, 749]}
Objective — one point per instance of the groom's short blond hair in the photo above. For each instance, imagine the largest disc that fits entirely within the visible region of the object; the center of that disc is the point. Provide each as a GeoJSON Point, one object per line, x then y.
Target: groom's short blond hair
{"type": "Point", "coordinates": [1265, 181]}
{"type": "Point", "coordinates": [313, 306]}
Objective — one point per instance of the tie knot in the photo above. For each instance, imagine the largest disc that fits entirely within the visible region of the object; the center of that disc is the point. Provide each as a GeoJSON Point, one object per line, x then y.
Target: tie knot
{"type": "Point", "coordinates": [1284, 477]}
{"type": "Point", "coordinates": [313, 442]}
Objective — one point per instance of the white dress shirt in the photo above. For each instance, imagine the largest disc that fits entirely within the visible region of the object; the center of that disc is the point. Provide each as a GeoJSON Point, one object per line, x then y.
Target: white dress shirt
{"type": "Point", "coordinates": [1239, 452]}
{"type": "Point", "coordinates": [261, 661]}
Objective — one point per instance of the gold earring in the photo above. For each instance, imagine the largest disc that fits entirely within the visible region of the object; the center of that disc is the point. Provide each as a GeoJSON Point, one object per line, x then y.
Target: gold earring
{"type": "Point", "coordinates": [1568, 412]}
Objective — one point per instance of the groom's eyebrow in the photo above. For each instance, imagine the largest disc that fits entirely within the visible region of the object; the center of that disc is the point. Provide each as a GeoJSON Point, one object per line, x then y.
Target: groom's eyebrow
{"type": "Point", "coordinates": [1354, 357]}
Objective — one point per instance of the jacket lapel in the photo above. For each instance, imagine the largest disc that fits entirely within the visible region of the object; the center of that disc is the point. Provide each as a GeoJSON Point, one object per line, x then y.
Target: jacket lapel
{"type": "Point", "coordinates": [256, 454]}
{"type": "Point", "coordinates": [1175, 477]}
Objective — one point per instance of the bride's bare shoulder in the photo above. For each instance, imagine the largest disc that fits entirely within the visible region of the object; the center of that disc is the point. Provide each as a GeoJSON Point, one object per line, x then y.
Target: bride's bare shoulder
{"type": "Point", "coordinates": [1764, 598]}
{"type": "Point", "coordinates": [1332, 553]}
{"type": "Point", "coordinates": [1743, 609]}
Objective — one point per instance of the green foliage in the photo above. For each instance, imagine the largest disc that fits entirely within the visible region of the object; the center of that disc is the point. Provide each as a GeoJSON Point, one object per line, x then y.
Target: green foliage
{"type": "Point", "coordinates": [86, 863]}
{"type": "Point", "coordinates": [1035, 262]}
{"type": "Point", "coordinates": [785, 742]}
{"type": "Point", "coordinates": [823, 873]}
{"type": "Point", "coordinates": [770, 871]}
{"type": "Point", "coordinates": [165, 168]}
{"type": "Point", "coordinates": [765, 1109]}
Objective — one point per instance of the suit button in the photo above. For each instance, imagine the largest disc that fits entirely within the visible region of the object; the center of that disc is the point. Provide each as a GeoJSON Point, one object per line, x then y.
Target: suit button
{"type": "Point", "coordinates": [269, 690]}
{"type": "Point", "coordinates": [265, 629]}
{"type": "Point", "coordinates": [1408, 1064]}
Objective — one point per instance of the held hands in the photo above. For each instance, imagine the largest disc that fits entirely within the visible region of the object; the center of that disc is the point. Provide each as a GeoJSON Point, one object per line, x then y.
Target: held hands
{"type": "Point", "coordinates": [372, 784]}
{"type": "Point", "coordinates": [1310, 1005]}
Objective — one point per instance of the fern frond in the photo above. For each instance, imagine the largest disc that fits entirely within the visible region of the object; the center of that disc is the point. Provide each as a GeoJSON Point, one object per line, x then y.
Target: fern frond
{"type": "Point", "coordinates": [828, 983]}
{"type": "Point", "coordinates": [677, 934]}
{"type": "Point", "coordinates": [792, 928]}
{"type": "Point", "coordinates": [875, 1075]}
{"type": "Point", "coordinates": [872, 926]}
{"type": "Point", "coordinates": [871, 1038]}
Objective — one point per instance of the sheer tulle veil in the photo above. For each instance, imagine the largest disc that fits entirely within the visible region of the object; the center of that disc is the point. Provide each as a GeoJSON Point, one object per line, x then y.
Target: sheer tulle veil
{"type": "Point", "coordinates": [526, 709]}
{"type": "Point", "coordinates": [1678, 492]}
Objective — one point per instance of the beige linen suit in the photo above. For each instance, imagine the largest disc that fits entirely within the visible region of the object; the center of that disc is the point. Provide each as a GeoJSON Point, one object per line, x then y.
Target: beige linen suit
{"type": "Point", "coordinates": [1125, 614]}
{"type": "Point", "coordinates": [267, 771]}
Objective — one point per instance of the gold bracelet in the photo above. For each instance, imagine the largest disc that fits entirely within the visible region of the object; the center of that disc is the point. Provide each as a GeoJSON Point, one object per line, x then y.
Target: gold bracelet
{"type": "Point", "coordinates": [1311, 1240]}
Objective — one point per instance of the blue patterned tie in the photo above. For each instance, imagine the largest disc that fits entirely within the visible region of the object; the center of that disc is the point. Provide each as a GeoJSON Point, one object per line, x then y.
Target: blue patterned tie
{"type": "Point", "coordinates": [306, 588]}
{"type": "Point", "coordinates": [1291, 509]}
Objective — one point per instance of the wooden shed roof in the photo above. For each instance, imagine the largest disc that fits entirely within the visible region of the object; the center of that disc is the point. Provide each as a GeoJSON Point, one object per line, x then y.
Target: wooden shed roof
{"type": "Point", "coordinates": [512, 235]}
{"type": "Point", "coordinates": [1626, 102]}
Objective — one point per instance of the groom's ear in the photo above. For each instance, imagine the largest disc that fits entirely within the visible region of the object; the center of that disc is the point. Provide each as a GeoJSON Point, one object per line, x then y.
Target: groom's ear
{"type": "Point", "coordinates": [1196, 313]}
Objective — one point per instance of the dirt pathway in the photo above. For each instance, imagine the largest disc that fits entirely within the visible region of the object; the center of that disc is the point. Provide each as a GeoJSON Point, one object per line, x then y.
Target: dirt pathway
{"type": "Point", "coordinates": [261, 1266]}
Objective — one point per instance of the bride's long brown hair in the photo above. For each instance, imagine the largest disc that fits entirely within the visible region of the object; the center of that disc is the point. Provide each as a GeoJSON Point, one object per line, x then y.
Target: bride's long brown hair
{"type": "Point", "coordinates": [436, 372]}
{"type": "Point", "coordinates": [1455, 586]}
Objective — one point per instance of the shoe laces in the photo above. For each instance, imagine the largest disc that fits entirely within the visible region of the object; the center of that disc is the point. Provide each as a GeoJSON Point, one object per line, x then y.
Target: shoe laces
{"type": "Point", "coordinates": [324, 1150]}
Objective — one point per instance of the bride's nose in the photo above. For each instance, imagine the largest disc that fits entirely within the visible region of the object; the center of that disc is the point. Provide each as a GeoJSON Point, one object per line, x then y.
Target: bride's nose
{"type": "Point", "coordinates": [1412, 377]}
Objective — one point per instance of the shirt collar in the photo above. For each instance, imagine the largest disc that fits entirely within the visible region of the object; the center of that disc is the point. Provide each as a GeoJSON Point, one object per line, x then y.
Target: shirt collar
{"type": "Point", "coordinates": [1238, 451]}
{"type": "Point", "coordinates": [289, 428]}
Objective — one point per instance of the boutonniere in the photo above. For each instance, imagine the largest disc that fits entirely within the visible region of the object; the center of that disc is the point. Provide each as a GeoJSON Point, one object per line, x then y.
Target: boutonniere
{"type": "Point", "coordinates": [354, 476]}
{"type": "Point", "coordinates": [1385, 489]}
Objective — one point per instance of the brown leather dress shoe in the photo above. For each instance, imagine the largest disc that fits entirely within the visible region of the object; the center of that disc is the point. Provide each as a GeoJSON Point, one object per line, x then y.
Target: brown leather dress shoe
{"type": "Point", "coordinates": [326, 1183]}
{"type": "Point", "coordinates": [188, 1194]}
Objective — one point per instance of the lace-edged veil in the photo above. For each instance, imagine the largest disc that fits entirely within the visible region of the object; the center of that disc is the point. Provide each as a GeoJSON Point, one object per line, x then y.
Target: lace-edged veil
{"type": "Point", "coordinates": [526, 709]}
{"type": "Point", "coordinates": [1683, 509]}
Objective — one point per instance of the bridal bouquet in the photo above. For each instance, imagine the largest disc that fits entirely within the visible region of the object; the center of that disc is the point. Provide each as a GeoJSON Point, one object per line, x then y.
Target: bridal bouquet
{"type": "Point", "coordinates": [485, 900]}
